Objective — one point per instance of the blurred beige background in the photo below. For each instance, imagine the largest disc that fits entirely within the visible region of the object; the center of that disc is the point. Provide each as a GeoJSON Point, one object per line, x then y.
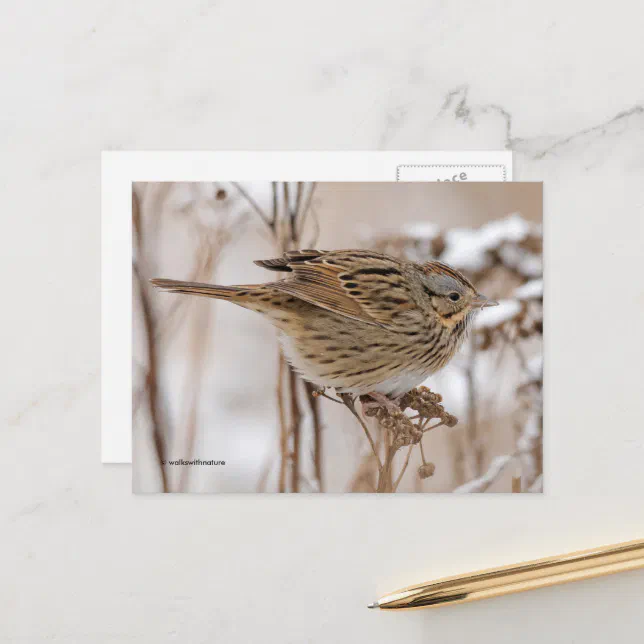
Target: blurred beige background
{"type": "Point", "coordinates": [217, 363]}
{"type": "Point", "coordinates": [387, 206]}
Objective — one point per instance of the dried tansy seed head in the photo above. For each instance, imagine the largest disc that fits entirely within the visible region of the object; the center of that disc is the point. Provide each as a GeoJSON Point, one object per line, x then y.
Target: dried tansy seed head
{"type": "Point", "coordinates": [401, 441]}
{"type": "Point", "coordinates": [406, 430]}
{"type": "Point", "coordinates": [419, 397]}
{"type": "Point", "coordinates": [427, 404]}
{"type": "Point", "coordinates": [450, 420]}
{"type": "Point", "coordinates": [400, 429]}
{"type": "Point", "coordinates": [426, 470]}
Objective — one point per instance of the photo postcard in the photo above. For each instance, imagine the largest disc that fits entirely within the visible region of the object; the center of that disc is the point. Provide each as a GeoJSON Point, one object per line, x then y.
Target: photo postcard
{"type": "Point", "coordinates": [313, 337]}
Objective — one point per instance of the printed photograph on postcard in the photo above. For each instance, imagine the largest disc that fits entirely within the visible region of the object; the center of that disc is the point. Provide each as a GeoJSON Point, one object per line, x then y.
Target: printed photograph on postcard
{"type": "Point", "coordinates": [371, 337]}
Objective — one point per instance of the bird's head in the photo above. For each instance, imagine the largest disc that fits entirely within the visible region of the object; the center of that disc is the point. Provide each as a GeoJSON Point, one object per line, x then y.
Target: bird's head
{"type": "Point", "coordinates": [451, 294]}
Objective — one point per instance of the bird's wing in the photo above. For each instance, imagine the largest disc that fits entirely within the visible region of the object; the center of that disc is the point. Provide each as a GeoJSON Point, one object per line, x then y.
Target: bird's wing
{"type": "Point", "coordinates": [357, 284]}
{"type": "Point", "coordinates": [283, 263]}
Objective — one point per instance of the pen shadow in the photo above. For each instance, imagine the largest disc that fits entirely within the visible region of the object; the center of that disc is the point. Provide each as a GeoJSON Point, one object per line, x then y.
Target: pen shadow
{"type": "Point", "coordinates": [594, 609]}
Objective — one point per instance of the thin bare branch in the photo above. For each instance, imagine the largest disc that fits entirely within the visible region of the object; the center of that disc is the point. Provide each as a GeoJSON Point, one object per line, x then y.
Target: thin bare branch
{"type": "Point", "coordinates": [306, 209]}
{"type": "Point", "coordinates": [283, 428]}
{"type": "Point", "coordinates": [325, 395]}
{"type": "Point", "coordinates": [481, 484]}
{"type": "Point", "coordinates": [429, 429]}
{"type": "Point", "coordinates": [314, 407]}
{"type": "Point", "coordinates": [254, 205]}
{"type": "Point", "coordinates": [316, 228]}
{"type": "Point", "coordinates": [404, 467]}
{"type": "Point", "coordinates": [349, 402]}
{"type": "Point", "coordinates": [298, 197]}
{"type": "Point", "coordinates": [158, 432]}
{"type": "Point", "coordinates": [422, 451]}
{"type": "Point", "coordinates": [296, 421]}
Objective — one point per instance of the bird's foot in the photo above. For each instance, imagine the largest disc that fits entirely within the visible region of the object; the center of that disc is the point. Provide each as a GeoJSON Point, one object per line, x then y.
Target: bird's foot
{"type": "Point", "coordinates": [321, 391]}
{"type": "Point", "coordinates": [381, 400]}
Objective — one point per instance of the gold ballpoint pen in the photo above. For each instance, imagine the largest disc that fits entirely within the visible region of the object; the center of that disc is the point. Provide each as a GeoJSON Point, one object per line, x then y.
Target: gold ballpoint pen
{"type": "Point", "coordinates": [516, 578]}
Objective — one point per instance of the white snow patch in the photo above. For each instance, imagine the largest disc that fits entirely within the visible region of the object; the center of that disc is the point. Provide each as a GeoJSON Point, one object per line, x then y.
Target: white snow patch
{"type": "Point", "coordinates": [260, 191]}
{"type": "Point", "coordinates": [532, 290]}
{"type": "Point", "coordinates": [452, 384]}
{"type": "Point", "coordinates": [422, 230]}
{"type": "Point", "coordinates": [537, 486]}
{"type": "Point", "coordinates": [524, 263]}
{"type": "Point", "coordinates": [467, 249]}
{"type": "Point", "coordinates": [493, 316]}
{"type": "Point", "coordinates": [183, 195]}
{"type": "Point", "coordinates": [534, 369]}
{"type": "Point", "coordinates": [481, 484]}
{"type": "Point", "coordinates": [530, 434]}
{"type": "Point", "coordinates": [513, 228]}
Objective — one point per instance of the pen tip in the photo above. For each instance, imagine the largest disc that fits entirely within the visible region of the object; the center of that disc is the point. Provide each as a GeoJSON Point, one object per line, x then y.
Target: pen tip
{"type": "Point", "coordinates": [374, 605]}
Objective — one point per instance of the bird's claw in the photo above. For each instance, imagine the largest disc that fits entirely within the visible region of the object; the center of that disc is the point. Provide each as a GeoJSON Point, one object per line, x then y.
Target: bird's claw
{"type": "Point", "coordinates": [380, 400]}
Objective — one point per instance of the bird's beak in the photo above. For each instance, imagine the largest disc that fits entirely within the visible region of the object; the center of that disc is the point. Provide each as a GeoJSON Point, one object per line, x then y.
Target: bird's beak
{"type": "Point", "coordinates": [482, 301]}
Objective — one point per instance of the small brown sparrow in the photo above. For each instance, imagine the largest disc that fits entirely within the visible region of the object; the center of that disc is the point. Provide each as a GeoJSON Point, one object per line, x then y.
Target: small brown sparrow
{"type": "Point", "coordinates": [358, 321]}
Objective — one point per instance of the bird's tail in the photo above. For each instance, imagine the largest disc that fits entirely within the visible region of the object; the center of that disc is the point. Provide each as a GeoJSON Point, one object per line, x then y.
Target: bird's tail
{"type": "Point", "coordinates": [195, 288]}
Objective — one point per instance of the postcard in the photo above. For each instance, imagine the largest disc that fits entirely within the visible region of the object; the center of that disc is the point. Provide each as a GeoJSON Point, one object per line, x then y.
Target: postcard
{"type": "Point", "coordinates": [337, 336]}
{"type": "Point", "coordinates": [121, 169]}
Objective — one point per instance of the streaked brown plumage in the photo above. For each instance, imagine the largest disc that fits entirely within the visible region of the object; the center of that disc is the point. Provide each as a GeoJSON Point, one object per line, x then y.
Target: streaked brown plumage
{"type": "Point", "coordinates": [356, 320]}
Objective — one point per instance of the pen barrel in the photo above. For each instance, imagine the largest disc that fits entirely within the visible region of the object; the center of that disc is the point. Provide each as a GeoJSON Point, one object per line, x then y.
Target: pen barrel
{"type": "Point", "coordinates": [520, 577]}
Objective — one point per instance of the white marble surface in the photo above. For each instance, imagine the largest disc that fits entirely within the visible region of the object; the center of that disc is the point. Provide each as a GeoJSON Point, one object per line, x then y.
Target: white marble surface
{"type": "Point", "coordinates": [560, 84]}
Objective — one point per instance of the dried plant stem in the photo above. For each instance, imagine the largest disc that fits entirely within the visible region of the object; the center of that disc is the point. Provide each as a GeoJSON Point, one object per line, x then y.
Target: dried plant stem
{"type": "Point", "coordinates": [405, 464]}
{"type": "Point", "coordinates": [458, 458]}
{"type": "Point", "coordinates": [385, 478]}
{"type": "Point", "coordinates": [318, 392]}
{"type": "Point", "coordinates": [472, 413]}
{"type": "Point", "coordinates": [397, 429]}
{"type": "Point", "coordinates": [424, 428]}
{"type": "Point", "coordinates": [314, 407]}
{"type": "Point", "coordinates": [422, 451]}
{"type": "Point", "coordinates": [298, 196]}
{"type": "Point", "coordinates": [364, 478]}
{"type": "Point", "coordinates": [158, 433]}
{"type": "Point", "coordinates": [537, 453]}
{"type": "Point", "coordinates": [307, 208]}
{"type": "Point", "coordinates": [275, 204]}
{"type": "Point", "coordinates": [296, 419]}
{"type": "Point", "coordinates": [152, 381]}
{"type": "Point", "coordinates": [349, 402]}
{"type": "Point", "coordinates": [255, 206]}
{"type": "Point", "coordinates": [283, 427]}
{"type": "Point", "coordinates": [285, 223]}
{"type": "Point", "coordinates": [198, 351]}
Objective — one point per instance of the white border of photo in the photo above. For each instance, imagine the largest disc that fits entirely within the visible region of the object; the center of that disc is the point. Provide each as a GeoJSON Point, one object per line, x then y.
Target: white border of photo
{"type": "Point", "coordinates": [121, 169]}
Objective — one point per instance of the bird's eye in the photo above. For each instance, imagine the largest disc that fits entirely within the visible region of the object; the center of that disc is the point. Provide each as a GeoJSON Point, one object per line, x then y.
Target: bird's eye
{"type": "Point", "coordinates": [455, 297]}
